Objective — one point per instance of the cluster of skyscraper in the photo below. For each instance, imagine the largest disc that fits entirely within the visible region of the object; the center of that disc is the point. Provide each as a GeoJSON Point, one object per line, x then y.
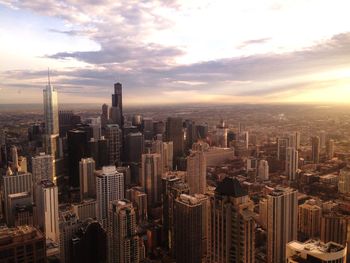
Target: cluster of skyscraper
{"type": "Point", "coordinates": [129, 191]}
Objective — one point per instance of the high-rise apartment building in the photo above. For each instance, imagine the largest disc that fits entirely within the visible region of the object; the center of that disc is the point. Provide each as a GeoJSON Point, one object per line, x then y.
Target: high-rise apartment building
{"type": "Point", "coordinates": [231, 221]}
{"type": "Point", "coordinates": [47, 207]}
{"type": "Point", "coordinates": [123, 243]}
{"type": "Point", "coordinates": [344, 180]}
{"type": "Point", "coordinates": [139, 200]}
{"type": "Point", "coordinates": [282, 222]}
{"type": "Point", "coordinates": [188, 223]}
{"type": "Point", "coordinates": [309, 220]}
{"type": "Point", "coordinates": [291, 164]}
{"type": "Point", "coordinates": [87, 178]}
{"type": "Point", "coordinates": [197, 172]}
{"type": "Point", "coordinates": [334, 227]}
{"type": "Point", "coordinates": [109, 187]}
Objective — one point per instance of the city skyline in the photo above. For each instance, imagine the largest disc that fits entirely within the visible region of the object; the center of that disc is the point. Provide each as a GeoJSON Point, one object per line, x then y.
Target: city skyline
{"type": "Point", "coordinates": [168, 52]}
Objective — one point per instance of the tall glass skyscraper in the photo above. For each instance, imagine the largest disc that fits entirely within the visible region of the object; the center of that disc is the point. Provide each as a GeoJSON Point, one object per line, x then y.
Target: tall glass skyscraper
{"type": "Point", "coordinates": [50, 110]}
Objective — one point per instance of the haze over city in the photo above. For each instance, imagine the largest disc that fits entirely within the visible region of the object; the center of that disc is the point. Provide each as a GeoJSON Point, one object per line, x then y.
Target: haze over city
{"type": "Point", "coordinates": [169, 52]}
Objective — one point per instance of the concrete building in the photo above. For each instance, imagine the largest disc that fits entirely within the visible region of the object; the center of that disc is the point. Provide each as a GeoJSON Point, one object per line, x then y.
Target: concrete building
{"type": "Point", "coordinates": [291, 164]}
{"type": "Point", "coordinates": [263, 170]}
{"type": "Point", "coordinates": [114, 141]}
{"type": "Point", "coordinates": [87, 178]}
{"type": "Point", "coordinates": [309, 220]}
{"type": "Point", "coordinates": [344, 180]}
{"type": "Point", "coordinates": [85, 209]}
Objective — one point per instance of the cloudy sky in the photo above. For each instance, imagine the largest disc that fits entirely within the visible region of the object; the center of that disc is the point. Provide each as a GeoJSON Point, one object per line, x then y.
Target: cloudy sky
{"type": "Point", "coordinates": [169, 51]}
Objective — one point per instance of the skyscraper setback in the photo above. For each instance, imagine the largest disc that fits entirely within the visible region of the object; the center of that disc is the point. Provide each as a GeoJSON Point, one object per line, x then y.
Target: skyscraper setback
{"type": "Point", "coordinates": [116, 114]}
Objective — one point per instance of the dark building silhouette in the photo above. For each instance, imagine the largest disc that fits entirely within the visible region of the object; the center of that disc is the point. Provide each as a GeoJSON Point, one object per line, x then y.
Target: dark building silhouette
{"type": "Point", "coordinates": [116, 111]}
{"type": "Point", "coordinates": [89, 244]}
{"type": "Point", "coordinates": [67, 120]}
{"type": "Point", "coordinates": [175, 134]}
{"type": "Point", "coordinates": [77, 149]}
{"type": "Point", "coordinates": [202, 131]}
{"type": "Point", "coordinates": [191, 134]}
{"type": "Point", "coordinates": [134, 147]}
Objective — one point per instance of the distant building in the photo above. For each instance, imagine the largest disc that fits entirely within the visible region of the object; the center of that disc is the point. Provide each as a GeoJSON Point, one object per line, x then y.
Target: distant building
{"type": "Point", "coordinates": [87, 178]}
{"type": "Point", "coordinates": [263, 170]}
{"type": "Point", "coordinates": [116, 111]}
{"type": "Point", "coordinates": [221, 134]}
{"type": "Point", "coordinates": [42, 168]}
{"type": "Point", "coordinates": [309, 220]}
{"type": "Point", "coordinates": [174, 133]}
{"type": "Point", "coordinates": [344, 180]}
{"type": "Point", "coordinates": [316, 148]}
{"type": "Point", "coordinates": [114, 139]}
{"type": "Point", "coordinates": [291, 164]}
{"type": "Point", "coordinates": [330, 149]}
{"type": "Point", "coordinates": [334, 228]}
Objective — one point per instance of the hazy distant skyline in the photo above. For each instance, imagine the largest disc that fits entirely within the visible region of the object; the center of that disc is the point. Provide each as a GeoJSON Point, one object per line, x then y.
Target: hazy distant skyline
{"type": "Point", "coordinates": [176, 51]}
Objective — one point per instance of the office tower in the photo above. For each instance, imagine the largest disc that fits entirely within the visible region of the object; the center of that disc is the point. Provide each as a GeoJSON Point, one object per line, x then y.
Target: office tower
{"type": "Point", "coordinates": [202, 131]}
{"type": "Point", "coordinates": [109, 187]}
{"type": "Point", "coordinates": [123, 243]}
{"type": "Point", "coordinates": [114, 140]}
{"type": "Point", "coordinates": [67, 121]}
{"type": "Point", "coordinates": [190, 134]}
{"type": "Point", "coordinates": [147, 128]}
{"type": "Point", "coordinates": [344, 180]}
{"type": "Point", "coordinates": [323, 139]}
{"type": "Point", "coordinates": [292, 159]}
{"type": "Point", "coordinates": [334, 227]}
{"type": "Point", "coordinates": [282, 144]}
{"type": "Point", "coordinates": [231, 224]}
{"type": "Point", "coordinates": [263, 170]}
{"type": "Point", "coordinates": [13, 184]}
{"type": "Point", "coordinates": [282, 222]}
{"type": "Point", "coordinates": [16, 201]}
{"type": "Point", "coordinates": [159, 128]}
{"type": "Point", "coordinates": [315, 251]}
{"type": "Point", "coordinates": [151, 176]}
{"type": "Point", "coordinates": [22, 244]}
{"type": "Point", "coordinates": [95, 125]}
{"type": "Point", "coordinates": [68, 226]}
{"type": "Point", "coordinates": [92, 151]}
{"type": "Point", "coordinates": [47, 205]}
{"type": "Point", "coordinates": [50, 109]}
{"type": "Point", "coordinates": [104, 116]}
{"type": "Point", "coordinates": [85, 209]}
{"type": "Point", "coordinates": [14, 159]}
{"type": "Point", "coordinates": [315, 145]}
{"type": "Point", "coordinates": [174, 133]}
{"type": "Point", "coordinates": [172, 187]}
{"type": "Point", "coordinates": [116, 113]}
{"type": "Point", "coordinates": [134, 147]}
{"type": "Point", "coordinates": [330, 149]}
{"type": "Point", "coordinates": [197, 172]}
{"type": "Point", "coordinates": [42, 168]}
{"type": "Point", "coordinates": [139, 200]}
{"type": "Point", "coordinates": [89, 243]}
{"type": "Point", "coordinates": [221, 134]}
{"type": "Point", "coordinates": [188, 223]}
{"type": "Point", "coordinates": [126, 171]}
{"type": "Point", "coordinates": [309, 220]}
{"type": "Point", "coordinates": [87, 178]}
{"type": "Point", "coordinates": [165, 149]}
{"type": "Point", "coordinates": [77, 149]}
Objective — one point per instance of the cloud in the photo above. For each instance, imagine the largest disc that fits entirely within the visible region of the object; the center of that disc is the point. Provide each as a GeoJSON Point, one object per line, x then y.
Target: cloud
{"type": "Point", "coordinates": [254, 42]}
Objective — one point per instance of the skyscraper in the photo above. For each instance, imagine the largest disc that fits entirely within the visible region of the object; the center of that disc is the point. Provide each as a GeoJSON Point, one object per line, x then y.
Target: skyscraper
{"type": "Point", "coordinates": [188, 223]}
{"type": "Point", "coordinates": [221, 134]}
{"type": "Point", "coordinates": [316, 148]}
{"type": "Point", "coordinates": [197, 172]}
{"type": "Point", "coordinates": [77, 149]}
{"type": "Point", "coordinates": [334, 227]}
{"type": "Point", "coordinates": [344, 180]}
{"type": "Point", "coordinates": [123, 243]}
{"type": "Point", "coordinates": [174, 133]}
{"type": "Point", "coordinates": [114, 140]}
{"type": "Point", "coordinates": [87, 178]}
{"type": "Point", "coordinates": [134, 147]}
{"type": "Point", "coordinates": [50, 109]}
{"type": "Point", "coordinates": [309, 220]}
{"type": "Point", "coordinates": [151, 176]}
{"type": "Point", "coordinates": [330, 149]}
{"type": "Point", "coordinates": [109, 187]}
{"type": "Point", "coordinates": [291, 164]}
{"type": "Point", "coordinates": [282, 222]}
{"type": "Point", "coordinates": [13, 184]}
{"type": "Point", "coordinates": [47, 204]}
{"type": "Point", "coordinates": [116, 115]}
{"type": "Point", "coordinates": [231, 224]}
